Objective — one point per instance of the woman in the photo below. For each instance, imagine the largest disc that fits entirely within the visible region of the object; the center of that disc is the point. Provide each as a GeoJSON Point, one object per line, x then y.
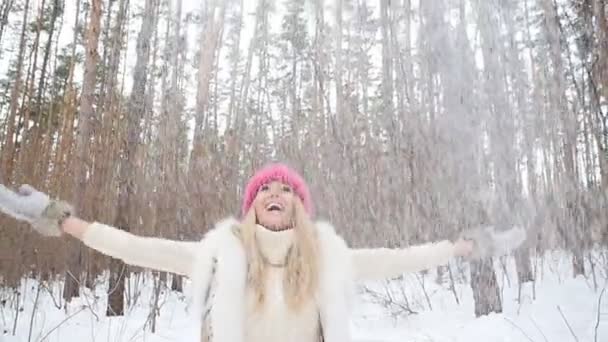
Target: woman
{"type": "Point", "coordinates": [274, 275]}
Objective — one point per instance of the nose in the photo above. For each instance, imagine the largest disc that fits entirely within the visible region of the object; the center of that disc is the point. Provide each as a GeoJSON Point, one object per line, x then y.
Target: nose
{"type": "Point", "coordinates": [275, 191]}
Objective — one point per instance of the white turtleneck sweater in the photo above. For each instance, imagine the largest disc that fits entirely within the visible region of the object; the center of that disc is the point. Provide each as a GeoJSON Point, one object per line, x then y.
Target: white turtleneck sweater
{"type": "Point", "coordinates": [274, 321]}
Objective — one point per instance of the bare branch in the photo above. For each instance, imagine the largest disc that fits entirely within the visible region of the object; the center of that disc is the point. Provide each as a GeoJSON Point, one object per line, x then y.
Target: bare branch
{"type": "Point", "coordinates": [519, 328]}
{"type": "Point", "coordinates": [567, 324]}
{"type": "Point", "coordinates": [599, 306]}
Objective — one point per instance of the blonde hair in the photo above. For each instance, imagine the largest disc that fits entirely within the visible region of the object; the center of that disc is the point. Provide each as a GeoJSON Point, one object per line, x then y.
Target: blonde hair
{"type": "Point", "coordinates": [301, 268]}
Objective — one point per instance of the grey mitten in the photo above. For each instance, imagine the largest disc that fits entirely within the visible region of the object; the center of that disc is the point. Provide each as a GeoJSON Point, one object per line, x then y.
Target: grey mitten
{"type": "Point", "coordinates": [30, 205]}
{"type": "Point", "coordinates": [489, 243]}
{"type": "Point", "coordinates": [482, 238]}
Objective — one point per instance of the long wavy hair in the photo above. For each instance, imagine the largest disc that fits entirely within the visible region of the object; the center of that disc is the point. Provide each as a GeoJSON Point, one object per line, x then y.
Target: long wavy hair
{"type": "Point", "coordinates": [301, 268]}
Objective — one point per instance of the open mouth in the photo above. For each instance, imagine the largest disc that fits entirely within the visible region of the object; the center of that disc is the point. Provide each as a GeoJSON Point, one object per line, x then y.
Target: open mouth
{"type": "Point", "coordinates": [274, 207]}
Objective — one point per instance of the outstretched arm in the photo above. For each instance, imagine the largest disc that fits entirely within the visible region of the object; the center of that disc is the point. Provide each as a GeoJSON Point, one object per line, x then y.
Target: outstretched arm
{"type": "Point", "coordinates": [155, 253]}
{"type": "Point", "coordinates": [386, 263]}
{"type": "Point", "coordinates": [54, 217]}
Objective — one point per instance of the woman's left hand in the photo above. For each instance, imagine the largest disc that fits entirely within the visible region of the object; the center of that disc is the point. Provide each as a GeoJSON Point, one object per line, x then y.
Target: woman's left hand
{"type": "Point", "coordinates": [485, 242]}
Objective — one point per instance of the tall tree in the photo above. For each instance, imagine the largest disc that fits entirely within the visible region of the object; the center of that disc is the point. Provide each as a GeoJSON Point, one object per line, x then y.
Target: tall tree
{"type": "Point", "coordinates": [387, 61]}
{"type": "Point", "coordinates": [125, 215]}
{"type": "Point", "coordinates": [46, 116]}
{"type": "Point", "coordinates": [523, 125]}
{"type": "Point", "coordinates": [214, 22]}
{"type": "Point", "coordinates": [568, 126]}
{"type": "Point", "coordinates": [24, 164]}
{"type": "Point", "coordinates": [8, 151]}
{"type": "Point", "coordinates": [338, 63]}
{"type": "Point", "coordinates": [234, 42]}
{"type": "Point", "coordinates": [86, 120]}
{"type": "Point", "coordinates": [204, 140]}
{"type": "Point", "coordinates": [5, 10]}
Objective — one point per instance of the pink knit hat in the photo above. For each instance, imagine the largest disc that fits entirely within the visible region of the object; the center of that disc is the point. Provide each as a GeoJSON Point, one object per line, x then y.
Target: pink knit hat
{"type": "Point", "coordinates": [276, 172]}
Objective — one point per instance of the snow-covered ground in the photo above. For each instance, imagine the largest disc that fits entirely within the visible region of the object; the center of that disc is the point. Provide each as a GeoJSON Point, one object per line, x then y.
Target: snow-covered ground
{"type": "Point", "coordinates": [558, 308]}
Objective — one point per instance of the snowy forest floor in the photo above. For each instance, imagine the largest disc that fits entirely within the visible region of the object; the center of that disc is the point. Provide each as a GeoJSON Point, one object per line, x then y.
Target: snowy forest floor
{"type": "Point", "coordinates": [557, 307]}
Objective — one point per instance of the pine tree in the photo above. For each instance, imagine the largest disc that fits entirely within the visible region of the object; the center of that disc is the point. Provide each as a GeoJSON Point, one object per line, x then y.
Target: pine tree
{"type": "Point", "coordinates": [126, 211]}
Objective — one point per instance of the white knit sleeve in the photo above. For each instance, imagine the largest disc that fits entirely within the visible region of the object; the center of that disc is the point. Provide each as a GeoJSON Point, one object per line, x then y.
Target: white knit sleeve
{"type": "Point", "coordinates": [386, 263]}
{"type": "Point", "coordinates": [154, 253]}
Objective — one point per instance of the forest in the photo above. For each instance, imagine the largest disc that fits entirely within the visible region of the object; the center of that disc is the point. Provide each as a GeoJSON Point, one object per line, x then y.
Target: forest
{"type": "Point", "coordinates": [412, 121]}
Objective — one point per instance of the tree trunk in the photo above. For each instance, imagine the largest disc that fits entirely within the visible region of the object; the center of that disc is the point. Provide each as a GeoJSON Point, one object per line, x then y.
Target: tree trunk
{"type": "Point", "coordinates": [495, 114]}
{"type": "Point", "coordinates": [27, 152]}
{"type": "Point", "coordinates": [45, 59]}
{"type": "Point", "coordinates": [102, 175]}
{"type": "Point", "coordinates": [168, 133]}
{"type": "Point", "coordinates": [338, 66]}
{"type": "Point", "coordinates": [203, 140]}
{"type": "Point", "coordinates": [601, 82]}
{"type": "Point", "coordinates": [235, 55]}
{"type": "Point", "coordinates": [522, 115]}
{"type": "Point", "coordinates": [5, 10]}
{"type": "Point", "coordinates": [577, 235]}
{"type": "Point", "coordinates": [209, 45]}
{"type": "Point", "coordinates": [125, 216]}
{"type": "Point", "coordinates": [107, 40]}
{"type": "Point", "coordinates": [485, 288]}
{"type": "Point", "coordinates": [86, 120]}
{"type": "Point", "coordinates": [8, 152]}
{"type": "Point", "coordinates": [602, 38]}
{"type": "Point", "coordinates": [101, 147]}
{"type": "Point", "coordinates": [558, 90]}
{"type": "Point", "coordinates": [177, 283]}
{"type": "Point", "coordinates": [67, 115]}
{"type": "Point", "coordinates": [578, 263]}
{"type": "Point", "coordinates": [387, 64]}
{"type": "Point", "coordinates": [45, 127]}
{"type": "Point", "coordinates": [522, 263]}
{"type": "Point", "coordinates": [261, 16]}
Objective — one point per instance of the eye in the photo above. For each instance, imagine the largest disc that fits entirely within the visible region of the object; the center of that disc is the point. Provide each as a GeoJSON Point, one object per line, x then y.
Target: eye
{"type": "Point", "coordinates": [264, 187]}
{"type": "Point", "coordinates": [286, 188]}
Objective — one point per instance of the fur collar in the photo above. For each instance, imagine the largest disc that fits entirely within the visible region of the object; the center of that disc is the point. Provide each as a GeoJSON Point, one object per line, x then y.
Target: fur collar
{"type": "Point", "coordinates": [221, 259]}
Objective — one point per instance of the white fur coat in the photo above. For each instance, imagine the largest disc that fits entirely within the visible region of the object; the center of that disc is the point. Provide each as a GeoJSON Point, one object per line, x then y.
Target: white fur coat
{"type": "Point", "coordinates": [335, 290]}
{"type": "Point", "coordinates": [341, 266]}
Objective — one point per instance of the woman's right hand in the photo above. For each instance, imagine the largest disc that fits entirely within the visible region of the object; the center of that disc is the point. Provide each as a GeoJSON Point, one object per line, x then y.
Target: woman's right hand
{"type": "Point", "coordinates": [27, 204]}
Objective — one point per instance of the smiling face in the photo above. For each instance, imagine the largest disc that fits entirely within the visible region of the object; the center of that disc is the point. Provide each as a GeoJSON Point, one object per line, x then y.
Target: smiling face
{"type": "Point", "coordinates": [274, 206]}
